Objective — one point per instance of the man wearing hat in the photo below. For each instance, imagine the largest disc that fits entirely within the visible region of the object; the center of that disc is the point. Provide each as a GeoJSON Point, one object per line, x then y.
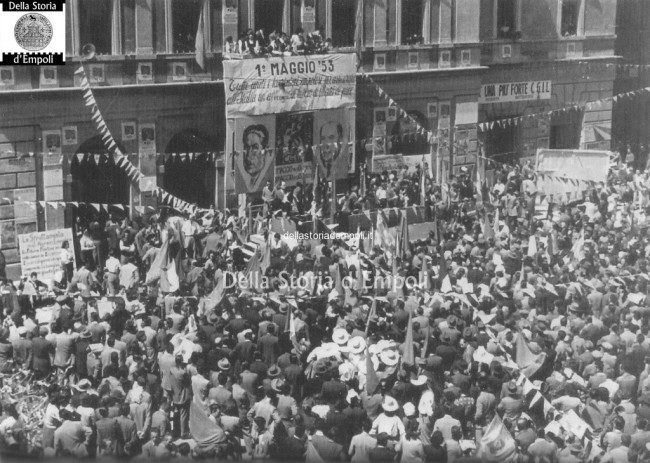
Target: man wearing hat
{"type": "Point", "coordinates": [333, 389]}
{"type": "Point", "coordinates": [220, 394]}
{"type": "Point", "coordinates": [543, 448]}
{"type": "Point", "coordinates": [22, 348]}
{"type": "Point", "coordinates": [388, 422]}
{"type": "Point", "coordinates": [82, 348]}
{"type": "Point", "coordinates": [181, 388]}
{"type": "Point", "coordinates": [511, 405]}
{"type": "Point", "coordinates": [269, 346]}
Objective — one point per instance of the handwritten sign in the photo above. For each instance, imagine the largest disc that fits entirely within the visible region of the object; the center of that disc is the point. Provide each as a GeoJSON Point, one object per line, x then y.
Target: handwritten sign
{"type": "Point", "coordinates": [40, 252]}
{"type": "Point", "coordinates": [290, 83]}
{"type": "Point", "coordinates": [515, 91]}
{"type": "Point", "coordinates": [387, 162]}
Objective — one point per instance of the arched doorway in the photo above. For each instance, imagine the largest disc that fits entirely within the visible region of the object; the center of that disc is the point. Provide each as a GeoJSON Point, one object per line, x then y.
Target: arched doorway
{"type": "Point", "coordinates": [190, 173]}
{"type": "Point", "coordinates": [96, 179]}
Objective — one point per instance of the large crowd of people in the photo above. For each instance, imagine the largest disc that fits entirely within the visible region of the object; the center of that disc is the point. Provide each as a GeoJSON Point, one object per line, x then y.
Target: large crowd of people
{"type": "Point", "coordinates": [524, 337]}
{"type": "Point", "coordinates": [253, 44]}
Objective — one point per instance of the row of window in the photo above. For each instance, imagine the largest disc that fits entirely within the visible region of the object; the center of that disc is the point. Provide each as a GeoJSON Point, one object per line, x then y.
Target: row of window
{"type": "Point", "coordinates": [174, 23]}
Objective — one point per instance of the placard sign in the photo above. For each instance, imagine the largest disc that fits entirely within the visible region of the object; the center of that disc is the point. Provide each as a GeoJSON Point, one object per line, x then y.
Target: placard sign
{"type": "Point", "coordinates": [515, 91]}
{"type": "Point", "coordinates": [387, 162]}
{"type": "Point", "coordinates": [291, 83]}
{"type": "Point", "coordinates": [40, 252]}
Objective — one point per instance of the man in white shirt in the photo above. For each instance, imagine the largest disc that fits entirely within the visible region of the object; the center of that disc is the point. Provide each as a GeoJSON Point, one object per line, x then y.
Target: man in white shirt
{"type": "Point", "coordinates": [129, 277]}
{"type": "Point", "coordinates": [190, 229]}
{"type": "Point", "coordinates": [381, 195]}
{"type": "Point", "coordinates": [112, 274]}
{"type": "Point", "coordinates": [445, 424]}
{"type": "Point", "coordinates": [361, 444]}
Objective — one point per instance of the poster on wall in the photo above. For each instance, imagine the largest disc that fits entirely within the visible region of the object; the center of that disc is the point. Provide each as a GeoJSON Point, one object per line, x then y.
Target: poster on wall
{"type": "Point", "coordinates": [332, 139]}
{"type": "Point", "coordinates": [254, 160]}
{"type": "Point", "coordinates": [69, 135]}
{"type": "Point", "coordinates": [432, 110]}
{"type": "Point", "coordinates": [41, 252]}
{"type": "Point", "coordinates": [289, 84]}
{"type": "Point", "coordinates": [7, 234]}
{"type": "Point", "coordinates": [308, 11]}
{"type": "Point", "coordinates": [379, 141]}
{"type": "Point", "coordinates": [461, 144]}
{"type": "Point", "coordinates": [147, 144]}
{"type": "Point", "coordinates": [380, 118]}
{"type": "Point", "coordinates": [229, 13]}
{"type": "Point", "coordinates": [444, 120]}
{"type": "Point", "coordinates": [24, 203]}
{"type": "Point", "coordinates": [52, 142]}
{"type": "Point", "coordinates": [128, 131]}
{"type": "Point", "coordinates": [53, 184]}
{"type": "Point", "coordinates": [293, 147]}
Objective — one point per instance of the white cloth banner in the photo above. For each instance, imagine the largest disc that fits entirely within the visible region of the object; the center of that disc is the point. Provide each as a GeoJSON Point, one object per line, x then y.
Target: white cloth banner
{"type": "Point", "coordinates": [563, 175]}
{"type": "Point", "coordinates": [293, 83]}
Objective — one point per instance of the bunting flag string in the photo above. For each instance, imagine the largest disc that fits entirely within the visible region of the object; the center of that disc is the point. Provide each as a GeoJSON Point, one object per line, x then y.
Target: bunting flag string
{"type": "Point", "coordinates": [590, 105]}
{"type": "Point", "coordinates": [213, 156]}
{"type": "Point", "coordinates": [172, 202]}
{"type": "Point", "coordinates": [121, 160]}
{"type": "Point", "coordinates": [103, 129]}
{"type": "Point", "coordinates": [402, 112]}
{"type": "Point", "coordinates": [620, 66]}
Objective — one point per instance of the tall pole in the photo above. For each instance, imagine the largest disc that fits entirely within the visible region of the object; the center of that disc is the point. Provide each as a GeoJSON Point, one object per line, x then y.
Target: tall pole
{"type": "Point", "coordinates": [438, 163]}
{"type": "Point", "coordinates": [250, 218]}
{"type": "Point", "coordinates": [333, 205]}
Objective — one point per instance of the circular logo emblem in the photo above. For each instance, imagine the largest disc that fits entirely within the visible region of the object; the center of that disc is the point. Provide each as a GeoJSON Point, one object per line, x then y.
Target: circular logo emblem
{"type": "Point", "coordinates": [33, 32]}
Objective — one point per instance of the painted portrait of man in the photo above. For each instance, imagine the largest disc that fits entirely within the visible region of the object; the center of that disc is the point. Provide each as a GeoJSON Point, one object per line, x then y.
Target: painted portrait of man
{"type": "Point", "coordinates": [331, 145]}
{"type": "Point", "coordinates": [256, 158]}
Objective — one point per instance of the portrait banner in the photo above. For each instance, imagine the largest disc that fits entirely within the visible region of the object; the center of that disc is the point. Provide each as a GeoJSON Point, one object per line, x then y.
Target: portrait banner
{"type": "Point", "coordinates": [254, 160]}
{"type": "Point", "coordinates": [288, 84]}
{"type": "Point", "coordinates": [293, 147]}
{"type": "Point", "coordinates": [332, 137]}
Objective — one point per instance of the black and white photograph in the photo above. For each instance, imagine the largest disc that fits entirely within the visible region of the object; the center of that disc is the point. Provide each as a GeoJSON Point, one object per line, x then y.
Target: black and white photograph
{"type": "Point", "coordinates": [408, 231]}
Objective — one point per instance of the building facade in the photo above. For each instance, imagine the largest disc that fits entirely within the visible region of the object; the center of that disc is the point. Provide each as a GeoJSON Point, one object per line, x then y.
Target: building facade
{"type": "Point", "coordinates": [435, 58]}
{"type": "Point", "coordinates": [632, 116]}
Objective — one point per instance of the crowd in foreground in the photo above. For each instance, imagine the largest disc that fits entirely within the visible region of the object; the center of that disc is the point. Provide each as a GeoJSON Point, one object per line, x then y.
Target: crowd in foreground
{"type": "Point", "coordinates": [524, 338]}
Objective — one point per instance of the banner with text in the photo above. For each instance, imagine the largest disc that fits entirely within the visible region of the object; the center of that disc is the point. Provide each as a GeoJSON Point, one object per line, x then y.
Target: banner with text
{"type": "Point", "coordinates": [387, 163]}
{"type": "Point", "coordinates": [515, 91]}
{"type": "Point", "coordinates": [40, 252]}
{"type": "Point", "coordinates": [563, 175]}
{"type": "Point", "coordinates": [292, 83]}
